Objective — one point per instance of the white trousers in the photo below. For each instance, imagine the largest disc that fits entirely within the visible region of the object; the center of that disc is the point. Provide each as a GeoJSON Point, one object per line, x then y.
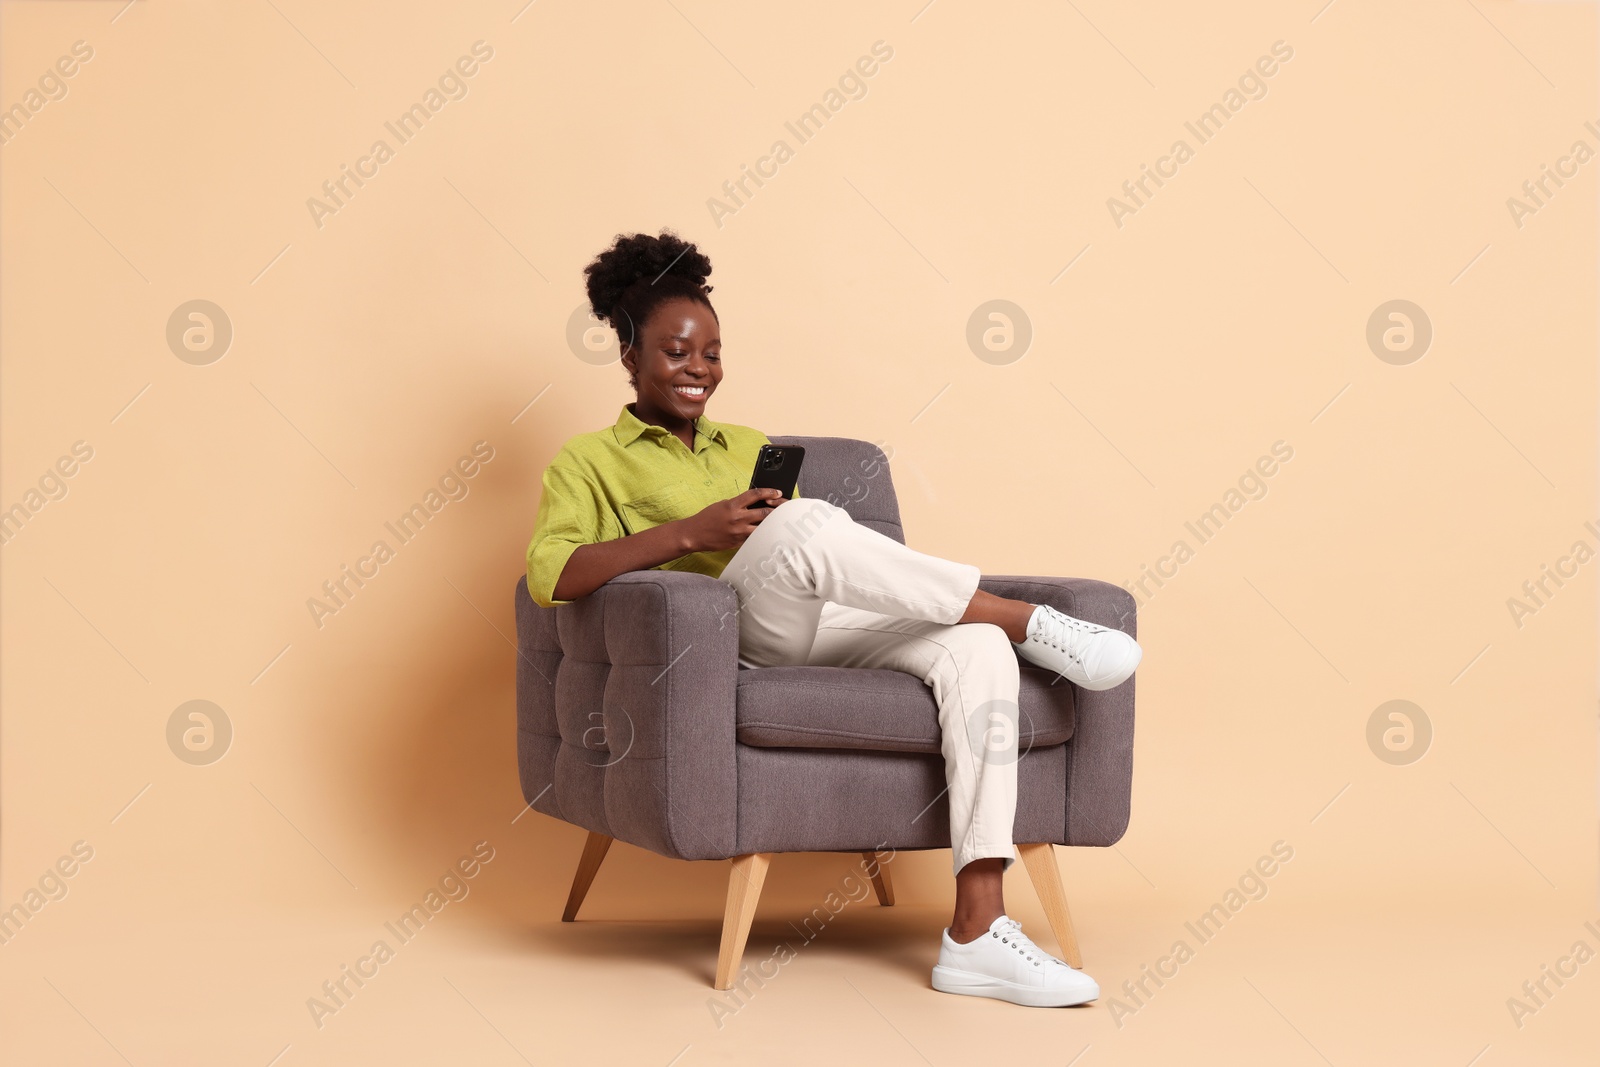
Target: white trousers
{"type": "Point", "coordinates": [816, 588]}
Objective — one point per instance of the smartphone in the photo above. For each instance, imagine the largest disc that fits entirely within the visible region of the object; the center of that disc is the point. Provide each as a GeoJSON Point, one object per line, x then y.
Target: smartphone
{"type": "Point", "coordinates": [777, 467]}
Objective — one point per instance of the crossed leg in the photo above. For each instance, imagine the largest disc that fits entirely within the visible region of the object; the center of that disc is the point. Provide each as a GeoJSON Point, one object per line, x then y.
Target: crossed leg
{"type": "Point", "coordinates": [973, 673]}
{"type": "Point", "coordinates": [819, 589]}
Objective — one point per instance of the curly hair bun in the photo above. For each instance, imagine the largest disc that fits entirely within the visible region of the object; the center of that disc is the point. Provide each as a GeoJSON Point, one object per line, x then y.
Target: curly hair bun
{"type": "Point", "coordinates": [667, 262]}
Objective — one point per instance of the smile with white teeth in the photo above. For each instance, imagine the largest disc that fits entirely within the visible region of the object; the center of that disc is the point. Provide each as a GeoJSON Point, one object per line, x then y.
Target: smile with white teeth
{"type": "Point", "coordinates": [693, 391]}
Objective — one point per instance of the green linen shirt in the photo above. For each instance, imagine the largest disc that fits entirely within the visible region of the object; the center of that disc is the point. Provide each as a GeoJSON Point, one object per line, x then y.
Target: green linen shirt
{"type": "Point", "coordinates": [633, 476]}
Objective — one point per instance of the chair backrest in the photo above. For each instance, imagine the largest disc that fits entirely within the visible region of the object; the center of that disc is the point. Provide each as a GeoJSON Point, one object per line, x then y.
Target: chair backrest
{"type": "Point", "coordinates": [853, 475]}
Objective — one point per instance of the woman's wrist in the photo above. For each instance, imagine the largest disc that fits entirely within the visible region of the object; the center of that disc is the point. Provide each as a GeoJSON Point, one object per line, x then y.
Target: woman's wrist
{"type": "Point", "coordinates": [681, 537]}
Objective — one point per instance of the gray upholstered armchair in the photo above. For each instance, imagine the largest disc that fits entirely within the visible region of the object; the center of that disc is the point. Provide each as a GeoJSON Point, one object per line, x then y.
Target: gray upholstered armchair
{"type": "Point", "coordinates": [636, 721]}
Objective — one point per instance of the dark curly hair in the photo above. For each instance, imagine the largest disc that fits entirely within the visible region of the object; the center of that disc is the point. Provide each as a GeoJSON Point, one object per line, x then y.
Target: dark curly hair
{"type": "Point", "coordinates": [639, 273]}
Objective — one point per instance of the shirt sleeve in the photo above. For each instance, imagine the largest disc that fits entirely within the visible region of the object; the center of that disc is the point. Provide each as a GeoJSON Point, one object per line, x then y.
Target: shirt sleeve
{"type": "Point", "coordinates": [572, 512]}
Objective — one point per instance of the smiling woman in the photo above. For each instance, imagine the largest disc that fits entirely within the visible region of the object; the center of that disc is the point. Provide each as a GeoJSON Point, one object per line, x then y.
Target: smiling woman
{"type": "Point", "coordinates": [665, 488]}
{"type": "Point", "coordinates": [637, 275]}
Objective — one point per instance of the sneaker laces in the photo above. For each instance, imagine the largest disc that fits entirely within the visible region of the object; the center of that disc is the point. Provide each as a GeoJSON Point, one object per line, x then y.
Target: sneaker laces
{"type": "Point", "coordinates": [1010, 933]}
{"type": "Point", "coordinates": [1055, 628]}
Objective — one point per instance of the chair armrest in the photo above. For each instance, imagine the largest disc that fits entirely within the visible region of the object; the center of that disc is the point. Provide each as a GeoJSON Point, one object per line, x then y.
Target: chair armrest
{"type": "Point", "coordinates": [655, 653]}
{"type": "Point", "coordinates": [1100, 752]}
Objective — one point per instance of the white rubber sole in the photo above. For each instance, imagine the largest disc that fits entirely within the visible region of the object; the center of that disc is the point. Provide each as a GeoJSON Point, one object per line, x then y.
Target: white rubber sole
{"type": "Point", "coordinates": [966, 983]}
{"type": "Point", "coordinates": [1083, 681]}
{"type": "Point", "coordinates": [1119, 677]}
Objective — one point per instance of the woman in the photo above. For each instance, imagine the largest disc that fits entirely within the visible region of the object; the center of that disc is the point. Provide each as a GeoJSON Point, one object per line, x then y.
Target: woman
{"type": "Point", "coordinates": [662, 487]}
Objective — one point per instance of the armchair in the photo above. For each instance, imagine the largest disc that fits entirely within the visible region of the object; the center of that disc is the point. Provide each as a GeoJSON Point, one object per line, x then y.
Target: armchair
{"type": "Point", "coordinates": [635, 721]}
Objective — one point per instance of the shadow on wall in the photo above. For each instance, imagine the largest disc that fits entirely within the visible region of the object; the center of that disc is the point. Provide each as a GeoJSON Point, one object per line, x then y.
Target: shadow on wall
{"type": "Point", "coordinates": [413, 727]}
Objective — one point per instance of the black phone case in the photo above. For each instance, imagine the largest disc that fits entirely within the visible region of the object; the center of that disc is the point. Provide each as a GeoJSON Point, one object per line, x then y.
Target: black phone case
{"type": "Point", "coordinates": [784, 476]}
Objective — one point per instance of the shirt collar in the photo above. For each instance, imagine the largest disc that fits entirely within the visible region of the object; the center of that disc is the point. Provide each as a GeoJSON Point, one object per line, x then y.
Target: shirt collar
{"type": "Point", "coordinates": [629, 428]}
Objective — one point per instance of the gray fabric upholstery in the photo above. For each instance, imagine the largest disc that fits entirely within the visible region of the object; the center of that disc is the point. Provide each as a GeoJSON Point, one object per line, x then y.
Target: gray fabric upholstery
{"type": "Point", "coordinates": [1099, 779]}
{"type": "Point", "coordinates": [799, 800]}
{"type": "Point", "coordinates": [634, 718]}
{"type": "Point", "coordinates": [887, 711]}
{"type": "Point", "coordinates": [625, 704]}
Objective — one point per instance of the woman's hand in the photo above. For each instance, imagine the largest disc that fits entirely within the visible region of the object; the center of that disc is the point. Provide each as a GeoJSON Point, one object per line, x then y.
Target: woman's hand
{"type": "Point", "coordinates": [727, 523]}
{"type": "Point", "coordinates": [724, 524]}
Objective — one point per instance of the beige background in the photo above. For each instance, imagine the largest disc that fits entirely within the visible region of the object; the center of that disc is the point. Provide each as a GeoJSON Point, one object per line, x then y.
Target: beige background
{"type": "Point", "coordinates": [370, 353]}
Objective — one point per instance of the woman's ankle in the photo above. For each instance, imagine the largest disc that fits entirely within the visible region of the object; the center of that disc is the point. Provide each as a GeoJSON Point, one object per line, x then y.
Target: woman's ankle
{"type": "Point", "coordinates": [980, 898]}
{"type": "Point", "coordinates": [1012, 616]}
{"type": "Point", "coordinates": [966, 932]}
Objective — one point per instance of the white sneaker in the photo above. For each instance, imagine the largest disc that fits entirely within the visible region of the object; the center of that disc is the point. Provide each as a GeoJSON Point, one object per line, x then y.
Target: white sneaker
{"type": "Point", "coordinates": [1006, 965]}
{"type": "Point", "coordinates": [1087, 655]}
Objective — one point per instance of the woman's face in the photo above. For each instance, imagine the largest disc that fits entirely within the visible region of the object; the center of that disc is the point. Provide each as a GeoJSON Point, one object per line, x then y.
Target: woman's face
{"type": "Point", "coordinates": [678, 361]}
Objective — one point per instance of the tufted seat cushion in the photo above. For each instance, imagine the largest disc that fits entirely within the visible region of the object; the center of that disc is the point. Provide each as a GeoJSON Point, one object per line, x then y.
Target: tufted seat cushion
{"type": "Point", "coordinates": [882, 710]}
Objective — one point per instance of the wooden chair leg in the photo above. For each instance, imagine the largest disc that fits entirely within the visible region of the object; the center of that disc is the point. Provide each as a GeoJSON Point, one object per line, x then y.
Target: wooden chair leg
{"type": "Point", "coordinates": [1040, 859]}
{"type": "Point", "coordinates": [744, 891]}
{"type": "Point", "coordinates": [594, 850]}
{"type": "Point", "coordinates": [880, 878]}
